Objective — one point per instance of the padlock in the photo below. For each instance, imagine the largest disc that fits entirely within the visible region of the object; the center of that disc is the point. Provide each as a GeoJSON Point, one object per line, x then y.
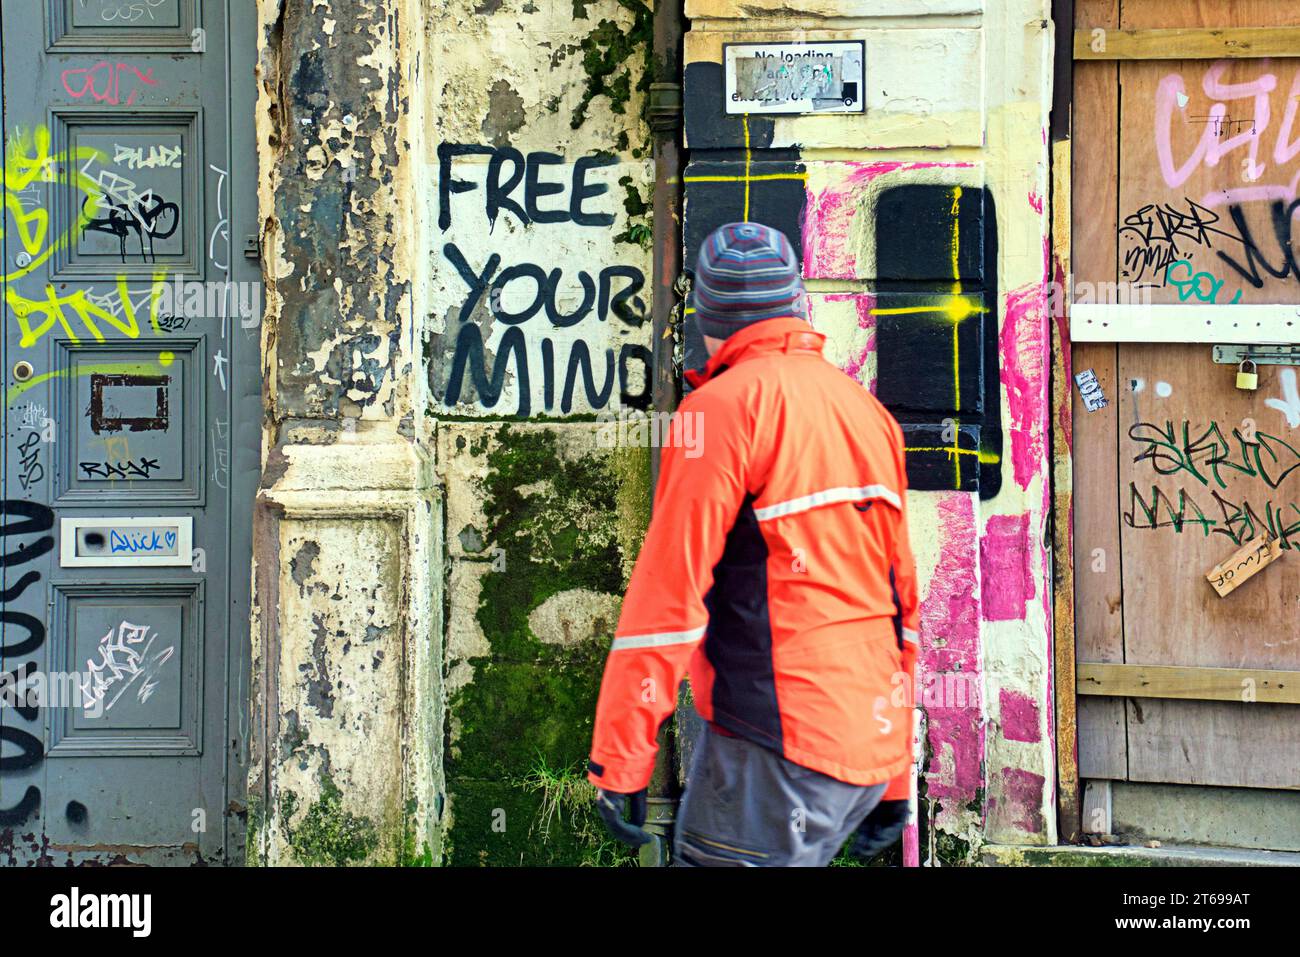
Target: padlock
{"type": "Point", "coordinates": [1247, 380]}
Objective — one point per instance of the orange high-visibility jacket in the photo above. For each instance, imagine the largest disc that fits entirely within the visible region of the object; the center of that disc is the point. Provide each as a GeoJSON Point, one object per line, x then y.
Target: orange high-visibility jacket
{"type": "Point", "coordinates": [777, 564]}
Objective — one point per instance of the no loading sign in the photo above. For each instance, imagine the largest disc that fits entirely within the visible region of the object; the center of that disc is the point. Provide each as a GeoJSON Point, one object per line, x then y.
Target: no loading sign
{"type": "Point", "coordinates": [818, 76]}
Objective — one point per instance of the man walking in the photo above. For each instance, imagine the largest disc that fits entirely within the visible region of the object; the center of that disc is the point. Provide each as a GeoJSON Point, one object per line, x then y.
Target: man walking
{"type": "Point", "coordinates": [777, 566]}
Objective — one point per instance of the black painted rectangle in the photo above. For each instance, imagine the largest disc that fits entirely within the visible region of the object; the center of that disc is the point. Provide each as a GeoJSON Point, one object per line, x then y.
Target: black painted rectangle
{"type": "Point", "coordinates": [931, 353]}
{"type": "Point", "coordinates": [942, 456]}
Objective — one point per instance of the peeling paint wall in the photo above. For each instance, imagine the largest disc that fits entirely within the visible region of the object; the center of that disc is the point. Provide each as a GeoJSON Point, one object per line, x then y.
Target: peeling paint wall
{"type": "Point", "coordinates": [455, 203]}
{"type": "Point", "coordinates": [455, 232]}
{"type": "Point", "coordinates": [923, 236]}
{"type": "Point", "coordinates": [542, 531]}
{"type": "Point", "coordinates": [347, 629]}
{"type": "Point", "coordinates": [538, 321]}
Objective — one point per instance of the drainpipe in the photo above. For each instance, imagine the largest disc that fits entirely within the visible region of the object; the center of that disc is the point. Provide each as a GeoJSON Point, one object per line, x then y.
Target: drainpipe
{"type": "Point", "coordinates": [665, 117]}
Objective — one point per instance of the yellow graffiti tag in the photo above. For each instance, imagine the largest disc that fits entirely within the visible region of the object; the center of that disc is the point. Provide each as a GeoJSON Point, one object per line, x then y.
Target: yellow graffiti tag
{"type": "Point", "coordinates": [36, 317]}
{"type": "Point", "coordinates": [28, 161]}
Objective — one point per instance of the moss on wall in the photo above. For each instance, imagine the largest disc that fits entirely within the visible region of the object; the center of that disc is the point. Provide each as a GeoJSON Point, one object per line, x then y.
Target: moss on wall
{"type": "Point", "coordinates": [516, 767]}
{"type": "Point", "coordinates": [640, 229]}
{"type": "Point", "coordinates": [613, 58]}
{"type": "Point", "coordinates": [327, 833]}
{"type": "Point", "coordinates": [413, 855]}
{"type": "Point", "coordinates": [253, 838]}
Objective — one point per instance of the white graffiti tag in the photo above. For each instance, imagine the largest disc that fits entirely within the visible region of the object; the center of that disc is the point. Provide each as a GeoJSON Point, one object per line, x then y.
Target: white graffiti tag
{"type": "Point", "coordinates": [31, 415]}
{"type": "Point", "coordinates": [124, 662]}
{"type": "Point", "coordinates": [1289, 404]}
{"type": "Point", "coordinates": [222, 229]}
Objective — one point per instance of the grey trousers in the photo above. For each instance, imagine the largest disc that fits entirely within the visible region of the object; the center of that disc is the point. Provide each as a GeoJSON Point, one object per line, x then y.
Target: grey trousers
{"type": "Point", "coordinates": [747, 806]}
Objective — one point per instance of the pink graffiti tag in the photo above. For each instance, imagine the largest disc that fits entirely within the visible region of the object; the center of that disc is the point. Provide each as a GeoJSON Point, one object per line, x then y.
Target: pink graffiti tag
{"type": "Point", "coordinates": [1215, 143]}
{"type": "Point", "coordinates": [103, 82]}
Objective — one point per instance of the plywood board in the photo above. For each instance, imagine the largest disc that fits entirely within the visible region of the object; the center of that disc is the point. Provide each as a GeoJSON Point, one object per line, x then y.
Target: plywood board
{"type": "Point", "coordinates": [1214, 742]}
{"type": "Point", "coordinates": [1204, 468]}
{"type": "Point", "coordinates": [1185, 44]}
{"type": "Point", "coordinates": [1194, 209]}
{"type": "Point", "coordinates": [1161, 14]}
{"type": "Point", "coordinates": [1098, 608]}
{"type": "Point", "coordinates": [1186, 509]}
{"type": "Point", "coordinates": [1192, 684]}
{"type": "Point", "coordinates": [1205, 166]}
{"type": "Point", "coordinates": [1208, 176]}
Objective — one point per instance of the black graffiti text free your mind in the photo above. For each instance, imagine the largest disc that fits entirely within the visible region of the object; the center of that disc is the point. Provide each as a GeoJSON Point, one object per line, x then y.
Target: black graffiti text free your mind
{"type": "Point", "coordinates": [499, 188]}
{"type": "Point", "coordinates": [614, 289]}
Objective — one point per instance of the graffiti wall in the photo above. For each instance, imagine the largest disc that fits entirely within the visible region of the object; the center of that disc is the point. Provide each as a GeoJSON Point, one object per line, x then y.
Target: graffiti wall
{"type": "Point", "coordinates": [1211, 216]}
{"type": "Point", "coordinates": [538, 234]}
{"type": "Point", "coordinates": [541, 231]}
{"type": "Point", "coordinates": [540, 323]}
{"type": "Point", "coordinates": [518, 287]}
{"type": "Point", "coordinates": [924, 255]}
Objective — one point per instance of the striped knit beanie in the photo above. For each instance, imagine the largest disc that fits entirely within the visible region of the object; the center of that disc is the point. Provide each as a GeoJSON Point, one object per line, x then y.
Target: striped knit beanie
{"type": "Point", "coordinates": [746, 272]}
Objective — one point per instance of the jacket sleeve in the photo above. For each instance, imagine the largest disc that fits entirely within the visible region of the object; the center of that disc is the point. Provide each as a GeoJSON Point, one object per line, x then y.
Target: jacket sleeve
{"type": "Point", "coordinates": [702, 483]}
{"type": "Point", "coordinates": [904, 574]}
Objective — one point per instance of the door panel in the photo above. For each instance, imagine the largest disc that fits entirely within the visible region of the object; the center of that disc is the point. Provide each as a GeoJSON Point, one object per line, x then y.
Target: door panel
{"type": "Point", "coordinates": [130, 346]}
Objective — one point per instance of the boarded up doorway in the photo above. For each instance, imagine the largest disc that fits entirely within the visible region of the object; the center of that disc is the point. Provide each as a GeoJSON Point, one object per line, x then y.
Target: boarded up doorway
{"type": "Point", "coordinates": [1186, 189]}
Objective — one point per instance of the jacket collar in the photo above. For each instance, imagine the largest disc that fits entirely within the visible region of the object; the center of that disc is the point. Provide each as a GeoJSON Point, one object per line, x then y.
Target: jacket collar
{"type": "Point", "coordinates": [790, 334]}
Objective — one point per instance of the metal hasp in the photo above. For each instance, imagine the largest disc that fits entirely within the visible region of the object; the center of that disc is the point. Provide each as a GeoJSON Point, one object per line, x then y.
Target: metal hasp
{"type": "Point", "coordinates": [1272, 355]}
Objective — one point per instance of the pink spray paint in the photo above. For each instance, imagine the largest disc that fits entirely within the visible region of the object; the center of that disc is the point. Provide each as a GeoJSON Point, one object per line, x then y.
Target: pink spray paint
{"type": "Point", "coordinates": [103, 82]}
{"type": "Point", "coordinates": [1006, 576]}
{"type": "Point", "coordinates": [1020, 716]}
{"type": "Point", "coordinates": [828, 252]}
{"type": "Point", "coordinates": [1023, 792]}
{"type": "Point", "coordinates": [1025, 348]}
{"type": "Point", "coordinates": [1222, 135]}
{"type": "Point", "coordinates": [950, 648]}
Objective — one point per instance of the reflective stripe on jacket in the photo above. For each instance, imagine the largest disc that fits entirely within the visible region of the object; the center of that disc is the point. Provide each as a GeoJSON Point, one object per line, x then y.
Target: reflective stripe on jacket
{"type": "Point", "coordinates": [777, 566]}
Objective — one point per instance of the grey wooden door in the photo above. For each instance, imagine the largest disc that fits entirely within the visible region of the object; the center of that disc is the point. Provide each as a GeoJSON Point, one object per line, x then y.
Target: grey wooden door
{"type": "Point", "coordinates": [131, 368]}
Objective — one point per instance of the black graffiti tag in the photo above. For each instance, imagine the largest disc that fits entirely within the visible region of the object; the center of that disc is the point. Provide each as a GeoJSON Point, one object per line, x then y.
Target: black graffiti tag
{"type": "Point", "coordinates": [32, 471]}
{"type": "Point", "coordinates": [33, 519]}
{"type": "Point", "coordinates": [1206, 454]}
{"type": "Point", "coordinates": [148, 217]}
{"type": "Point", "coordinates": [1281, 214]}
{"type": "Point", "coordinates": [1159, 234]}
{"type": "Point", "coordinates": [530, 189]}
{"type": "Point", "coordinates": [120, 470]}
{"type": "Point", "coordinates": [1237, 521]}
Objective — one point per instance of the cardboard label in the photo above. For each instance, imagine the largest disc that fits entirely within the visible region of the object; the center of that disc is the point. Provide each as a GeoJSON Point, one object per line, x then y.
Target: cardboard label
{"type": "Point", "coordinates": [1245, 562]}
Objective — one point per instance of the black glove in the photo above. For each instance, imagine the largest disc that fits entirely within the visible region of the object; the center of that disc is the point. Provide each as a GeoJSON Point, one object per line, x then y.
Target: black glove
{"type": "Point", "coordinates": [879, 829]}
{"type": "Point", "coordinates": [611, 804]}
